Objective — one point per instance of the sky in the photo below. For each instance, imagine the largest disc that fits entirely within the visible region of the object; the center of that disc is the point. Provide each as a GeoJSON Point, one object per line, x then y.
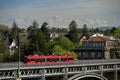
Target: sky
{"type": "Point", "coordinates": [59, 13]}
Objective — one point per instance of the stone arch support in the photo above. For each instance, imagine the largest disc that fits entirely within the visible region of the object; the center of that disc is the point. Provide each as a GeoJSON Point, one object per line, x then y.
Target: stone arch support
{"type": "Point", "coordinates": [80, 76]}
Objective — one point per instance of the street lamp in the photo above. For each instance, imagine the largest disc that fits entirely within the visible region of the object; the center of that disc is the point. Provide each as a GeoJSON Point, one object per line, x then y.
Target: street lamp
{"type": "Point", "coordinates": [18, 44]}
{"type": "Point", "coordinates": [1, 57]}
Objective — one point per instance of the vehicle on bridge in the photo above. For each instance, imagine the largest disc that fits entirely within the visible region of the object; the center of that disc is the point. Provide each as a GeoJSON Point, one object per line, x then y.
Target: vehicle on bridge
{"type": "Point", "coordinates": [50, 59]}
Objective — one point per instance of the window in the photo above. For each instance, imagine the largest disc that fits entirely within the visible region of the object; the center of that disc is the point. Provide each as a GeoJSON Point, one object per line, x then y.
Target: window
{"type": "Point", "coordinates": [99, 55]}
{"type": "Point", "coordinates": [93, 44]}
{"type": "Point", "coordinates": [85, 55]}
{"type": "Point", "coordinates": [100, 44]}
{"type": "Point", "coordinates": [93, 55]}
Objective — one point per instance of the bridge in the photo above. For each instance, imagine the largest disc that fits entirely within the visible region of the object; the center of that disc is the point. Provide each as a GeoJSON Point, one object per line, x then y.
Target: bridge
{"type": "Point", "coordinates": [70, 71]}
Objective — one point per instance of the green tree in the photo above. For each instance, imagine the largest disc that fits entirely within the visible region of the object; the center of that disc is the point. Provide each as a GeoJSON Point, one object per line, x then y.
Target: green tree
{"type": "Point", "coordinates": [66, 44]}
{"type": "Point", "coordinates": [73, 32]}
{"type": "Point", "coordinates": [107, 32]}
{"type": "Point", "coordinates": [37, 41]}
{"type": "Point", "coordinates": [38, 37]}
{"type": "Point", "coordinates": [45, 31]}
{"type": "Point", "coordinates": [57, 50]}
{"type": "Point", "coordinates": [34, 25]}
{"type": "Point", "coordinates": [116, 49]}
{"type": "Point", "coordinates": [3, 51]}
{"type": "Point", "coordinates": [4, 31]}
{"type": "Point", "coordinates": [49, 46]}
{"type": "Point", "coordinates": [61, 47]}
{"type": "Point", "coordinates": [117, 33]}
{"type": "Point", "coordinates": [15, 31]}
{"type": "Point", "coordinates": [112, 30]}
{"type": "Point", "coordinates": [85, 30]}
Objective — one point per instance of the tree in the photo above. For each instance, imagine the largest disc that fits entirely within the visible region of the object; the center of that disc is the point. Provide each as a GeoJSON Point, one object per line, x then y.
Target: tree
{"type": "Point", "coordinates": [107, 32]}
{"type": "Point", "coordinates": [117, 33]}
{"type": "Point", "coordinates": [14, 31]}
{"type": "Point", "coordinates": [73, 32]}
{"type": "Point", "coordinates": [45, 31]}
{"type": "Point", "coordinates": [34, 25]}
{"type": "Point", "coordinates": [3, 51]}
{"type": "Point", "coordinates": [116, 49]}
{"type": "Point", "coordinates": [57, 50]}
{"type": "Point", "coordinates": [37, 41]}
{"type": "Point", "coordinates": [38, 37]}
{"type": "Point", "coordinates": [85, 29]}
{"type": "Point", "coordinates": [66, 44]}
{"type": "Point", "coordinates": [49, 46]}
{"type": "Point", "coordinates": [44, 27]}
{"type": "Point", "coordinates": [112, 30]}
{"type": "Point", "coordinates": [4, 31]}
{"type": "Point", "coordinates": [61, 47]}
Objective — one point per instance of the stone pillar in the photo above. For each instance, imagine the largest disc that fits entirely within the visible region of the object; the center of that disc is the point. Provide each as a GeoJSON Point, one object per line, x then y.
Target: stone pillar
{"type": "Point", "coordinates": [101, 69]}
{"type": "Point", "coordinates": [116, 75]}
{"type": "Point", "coordinates": [43, 74]}
{"type": "Point", "coordinates": [65, 76]}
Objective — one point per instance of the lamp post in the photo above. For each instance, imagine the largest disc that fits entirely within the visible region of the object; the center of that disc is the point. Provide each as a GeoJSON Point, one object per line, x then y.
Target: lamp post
{"type": "Point", "coordinates": [66, 69]}
{"type": "Point", "coordinates": [18, 41]}
{"type": "Point", "coordinates": [1, 57]}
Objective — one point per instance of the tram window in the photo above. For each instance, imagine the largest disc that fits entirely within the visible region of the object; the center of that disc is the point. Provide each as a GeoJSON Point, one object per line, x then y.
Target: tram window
{"type": "Point", "coordinates": [49, 60]}
{"type": "Point", "coordinates": [25, 60]}
{"type": "Point", "coordinates": [70, 59]}
{"type": "Point", "coordinates": [38, 60]}
{"type": "Point", "coordinates": [31, 59]}
{"type": "Point", "coordinates": [64, 59]}
{"type": "Point", "coordinates": [55, 60]}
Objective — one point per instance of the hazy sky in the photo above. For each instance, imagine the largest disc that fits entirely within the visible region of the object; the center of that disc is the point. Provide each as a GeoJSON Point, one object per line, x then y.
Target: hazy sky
{"type": "Point", "coordinates": [59, 13]}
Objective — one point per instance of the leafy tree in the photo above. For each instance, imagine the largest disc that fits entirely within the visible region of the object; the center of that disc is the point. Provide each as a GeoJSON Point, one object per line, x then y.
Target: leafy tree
{"type": "Point", "coordinates": [112, 30]}
{"type": "Point", "coordinates": [85, 29]}
{"type": "Point", "coordinates": [107, 32]}
{"type": "Point", "coordinates": [117, 33]}
{"type": "Point", "coordinates": [45, 30]}
{"type": "Point", "coordinates": [34, 25]}
{"type": "Point", "coordinates": [49, 46]}
{"type": "Point", "coordinates": [115, 50]}
{"type": "Point", "coordinates": [57, 50]}
{"type": "Point", "coordinates": [66, 44]}
{"type": "Point", "coordinates": [44, 27]}
{"type": "Point", "coordinates": [4, 31]}
{"type": "Point", "coordinates": [38, 37]}
{"type": "Point", "coordinates": [37, 40]}
{"type": "Point", "coordinates": [3, 51]}
{"type": "Point", "coordinates": [73, 32]}
{"type": "Point", "coordinates": [14, 31]}
{"type": "Point", "coordinates": [61, 47]}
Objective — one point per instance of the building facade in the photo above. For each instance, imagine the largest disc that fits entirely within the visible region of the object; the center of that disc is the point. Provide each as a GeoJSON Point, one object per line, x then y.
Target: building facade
{"type": "Point", "coordinates": [95, 47]}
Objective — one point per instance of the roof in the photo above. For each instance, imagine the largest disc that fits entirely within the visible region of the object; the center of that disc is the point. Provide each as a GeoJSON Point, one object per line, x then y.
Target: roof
{"type": "Point", "coordinates": [99, 38]}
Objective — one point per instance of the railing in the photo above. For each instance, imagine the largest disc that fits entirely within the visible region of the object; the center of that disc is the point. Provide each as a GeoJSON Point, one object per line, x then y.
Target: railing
{"type": "Point", "coordinates": [9, 70]}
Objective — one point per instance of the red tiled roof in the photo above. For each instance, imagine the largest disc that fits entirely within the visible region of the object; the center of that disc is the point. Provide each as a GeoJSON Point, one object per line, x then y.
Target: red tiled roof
{"type": "Point", "coordinates": [98, 38]}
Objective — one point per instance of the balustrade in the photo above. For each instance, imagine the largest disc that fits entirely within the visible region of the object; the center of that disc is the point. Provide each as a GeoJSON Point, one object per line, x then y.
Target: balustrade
{"type": "Point", "coordinates": [58, 69]}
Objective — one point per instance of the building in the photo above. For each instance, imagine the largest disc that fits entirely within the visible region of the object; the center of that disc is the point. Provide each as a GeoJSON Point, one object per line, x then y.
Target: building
{"type": "Point", "coordinates": [95, 47]}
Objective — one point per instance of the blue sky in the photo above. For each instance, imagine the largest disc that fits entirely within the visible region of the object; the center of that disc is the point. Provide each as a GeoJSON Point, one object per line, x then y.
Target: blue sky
{"type": "Point", "coordinates": [59, 13]}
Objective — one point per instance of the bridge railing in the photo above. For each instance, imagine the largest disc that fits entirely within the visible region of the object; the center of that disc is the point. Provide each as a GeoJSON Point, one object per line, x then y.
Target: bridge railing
{"type": "Point", "coordinates": [80, 62]}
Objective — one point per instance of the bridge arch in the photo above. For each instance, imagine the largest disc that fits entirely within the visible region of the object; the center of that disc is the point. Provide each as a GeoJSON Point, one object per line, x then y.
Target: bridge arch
{"type": "Point", "coordinates": [81, 76]}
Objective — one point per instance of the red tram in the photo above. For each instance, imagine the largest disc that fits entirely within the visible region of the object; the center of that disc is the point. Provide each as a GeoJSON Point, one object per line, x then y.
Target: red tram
{"type": "Point", "coordinates": [31, 60]}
